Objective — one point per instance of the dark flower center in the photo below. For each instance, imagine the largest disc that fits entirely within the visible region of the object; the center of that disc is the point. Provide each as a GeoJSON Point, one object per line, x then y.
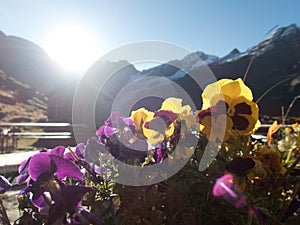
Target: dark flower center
{"type": "Point", "coordinates": [243, 108]}
{"type": "Point", "coordinates": [239, 122]}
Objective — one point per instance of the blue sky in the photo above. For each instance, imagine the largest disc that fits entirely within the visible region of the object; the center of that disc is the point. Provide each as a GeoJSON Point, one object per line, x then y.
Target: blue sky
{"type": "Point", "coordinates": [214, 27]}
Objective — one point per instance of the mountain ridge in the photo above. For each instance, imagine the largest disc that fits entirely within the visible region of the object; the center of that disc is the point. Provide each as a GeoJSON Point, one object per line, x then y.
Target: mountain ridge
{"type": "Point", "coordinates": [274, 60]}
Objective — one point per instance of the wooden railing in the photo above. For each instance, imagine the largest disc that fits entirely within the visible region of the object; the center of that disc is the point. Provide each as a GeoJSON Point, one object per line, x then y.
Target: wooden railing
{"type": "Point", "coordinates": [11, 133]}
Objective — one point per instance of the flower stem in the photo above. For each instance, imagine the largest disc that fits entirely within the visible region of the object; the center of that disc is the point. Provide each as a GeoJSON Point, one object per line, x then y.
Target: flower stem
{"type": "Point", "coordinates": [5, 218]}
{"type": "Point", "coordinates": [73, 154]}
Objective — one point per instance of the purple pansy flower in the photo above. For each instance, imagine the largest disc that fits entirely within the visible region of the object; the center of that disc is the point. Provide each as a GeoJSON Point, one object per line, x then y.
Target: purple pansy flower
{"type": "Point", "coordinates": [224, 187]}
{"type": "Point", "coordinates": [67, 203]}
{"type": "Point", "coordinates": [115, 123]}
{"type": "Point", "coordinates": [50, 162]}
{"type": "Point", "coordinates": [104, 132]}
{"type": "Point", "coordinates": [116, 120]}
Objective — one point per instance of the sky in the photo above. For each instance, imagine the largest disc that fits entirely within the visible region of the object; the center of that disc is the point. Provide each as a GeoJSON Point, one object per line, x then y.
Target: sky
{"type": "Point", "coordinates": [214, 27]}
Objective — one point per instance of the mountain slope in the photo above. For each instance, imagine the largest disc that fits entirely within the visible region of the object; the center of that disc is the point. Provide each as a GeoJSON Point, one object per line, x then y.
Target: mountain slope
{"type": "Point", "coordinates": [274, 75]}
{"type": "Point", "coordinates": [28, 63]}
{"type": "Point", "coordinates": [276, 63]}
{"type": "Point", "coordinates": [19, 102]}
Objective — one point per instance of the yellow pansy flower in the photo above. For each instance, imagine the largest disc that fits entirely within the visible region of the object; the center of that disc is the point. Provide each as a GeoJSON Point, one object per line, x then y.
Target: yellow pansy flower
{"type": "Point", "coordinates": [175, 105]}
{"type": "Point", "coordinates": [270, 160]}
{"type": "Point", "coordinates": [184, 112]}
{"type": "Point", "coordinates": [140, 117]}
{"type": "Point", "coordinates": [233, 99]}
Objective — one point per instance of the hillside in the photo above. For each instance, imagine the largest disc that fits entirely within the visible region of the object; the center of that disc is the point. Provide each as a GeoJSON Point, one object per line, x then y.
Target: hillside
{"type": "Point", "coordinates": [274, 76]}
{"type": "Point", "coordinates": [19, 102]}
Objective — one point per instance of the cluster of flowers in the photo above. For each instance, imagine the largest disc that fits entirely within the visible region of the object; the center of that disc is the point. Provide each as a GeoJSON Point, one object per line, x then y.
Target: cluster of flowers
{"type": "Point", "coordinates": [148, 137]}
{"type": "Point", "coordinates": [54, 187]}
{"type": "Point", "coordinates": [65, 185]}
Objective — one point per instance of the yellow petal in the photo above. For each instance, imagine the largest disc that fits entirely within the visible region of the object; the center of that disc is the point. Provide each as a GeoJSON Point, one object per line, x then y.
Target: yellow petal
{"type": "Point", "coordinates": [223, 128]}
{"type": "Point", "coordinates": [245, 90]}
{"type": "Point", "coordinates": [257, 126]}
{"type": "Point", "coordinates": [189, 120]}
{"type": "Point", "coordinates": [220, 97]}
{"type": "Point", "coordinates": [212, 90]}
{"type": "Point", "coordinates": [227, 87]}
{"type": "Point", "coordinates": [251, 126]}
{"type": "Point", "coordinates": [185, 110]}
{"type": "Point", "coordinates": [153, 136]}
{"type": "Point", "coordinates": [231, 89]}
{"type": "Point", "coordinates": [295, 127]}
{"type": "Point", "coordinates": [173, 104]}
{"type": "Point", "coordinates": [217, 129]}
{"type": "Point", "coordinates": [141, 116]}
{"type": "Point", "coordinates": [170, 130]}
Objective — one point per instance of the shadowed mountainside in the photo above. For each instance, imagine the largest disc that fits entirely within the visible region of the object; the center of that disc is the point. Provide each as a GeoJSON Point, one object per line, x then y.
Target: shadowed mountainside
{"type": "Point", "coordinates": [28, 63]}
{"type": "Point", "coordinates": [19, 102]}
{"type": "Point", "coordinates": [274, 76]}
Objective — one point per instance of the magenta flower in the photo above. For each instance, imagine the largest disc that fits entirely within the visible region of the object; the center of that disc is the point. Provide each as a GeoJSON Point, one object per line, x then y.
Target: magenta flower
{"type": "Point", "coordinates": [47, 163]}
{"type": "Point", "coordinates": [66, 204]}
{"type": "Point", "coordinates": [224, 187]}
{"type": "Point", "coordinates": [114, 124]}
{"type": "Point", "coordinates": [44, 163]}
{"type": "Point", "coordinates": [116, 120]}
{"type": "Point", "coordinates": [104, 133]}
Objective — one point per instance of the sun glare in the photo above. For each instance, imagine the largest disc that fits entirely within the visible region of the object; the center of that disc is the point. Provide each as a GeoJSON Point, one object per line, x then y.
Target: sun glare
{"type": "Point", "coordinates": [74, 48]}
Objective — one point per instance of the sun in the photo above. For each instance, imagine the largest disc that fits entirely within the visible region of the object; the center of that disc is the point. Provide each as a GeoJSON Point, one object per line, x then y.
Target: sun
{"type": "Point", "coordinates": [73, 47]}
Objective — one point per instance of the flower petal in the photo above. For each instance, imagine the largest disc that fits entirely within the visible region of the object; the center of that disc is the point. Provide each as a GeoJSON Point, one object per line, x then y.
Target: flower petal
{"type": "Point", "coordinates": [223, 184]}
{"type": "Point", "coordinates": [237, 88]}
{"type": "Point", "coordinates": [217, 130]}
{"type": "Point", "coordinates": [113, 120]}
{"type": "Point", "coordinates": [59, 150]}
{"type": "Point", "coordinates": [71, 196]}
{"type": "Point", "coordinates": [211, 90]}
{"type": "Point", "coordinates": [272, 130]}
{"type": "Point", "coordinates": [243, 108]}
{"type": "Point", "coordinates": [140, 117]}
{"type": "Point", "coordinates": [167, 115]}
{"type": "Point", "coordinates": [239, 122]}
{"type": "Point", "coordinates": [172, 104]}
{"type": "Point", "coordinates": [240, 166]}
{"type": "Point", "coordinates": [66, 168]}
{"type": "Point", "coordinates": [39, 164]}
{"type": "Point", "coordinates": [104, 132]}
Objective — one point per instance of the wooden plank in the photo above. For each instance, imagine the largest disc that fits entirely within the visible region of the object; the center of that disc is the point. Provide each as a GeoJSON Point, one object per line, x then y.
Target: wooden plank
{"type": "Point", "coordinates": [35, 124]}
{"type": "Point", "coordinates": [41, 134]}
{"type": "Point", "coordinates": [46, 137]}
{"type": "Point", "coordinates": [10, 162]}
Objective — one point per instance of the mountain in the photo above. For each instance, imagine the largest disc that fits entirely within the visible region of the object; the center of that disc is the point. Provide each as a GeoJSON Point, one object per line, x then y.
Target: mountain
{"type": "Point", "coordinates": [19, 102]}
{"type": "Point", "coordinates": [273, 76]}
{"type": "Point", "coordinates": [273, 67]}
{"type": "Point", "coordinates": [28, 63]}
{"type": "Point", "coordinates": [274, 73]}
